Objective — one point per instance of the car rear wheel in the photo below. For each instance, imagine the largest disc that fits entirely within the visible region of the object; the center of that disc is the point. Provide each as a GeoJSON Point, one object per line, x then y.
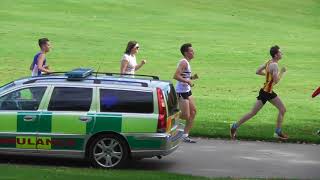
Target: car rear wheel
{"type": "Point", "coordinates": [108, 151]}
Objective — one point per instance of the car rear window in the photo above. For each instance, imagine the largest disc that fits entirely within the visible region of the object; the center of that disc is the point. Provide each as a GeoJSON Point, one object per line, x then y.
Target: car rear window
{"type": "Point", "coordinates": [126, 101]}
{"type": "Point", "coordinates": [172, 100]}
{"type": "Point", "coordinates": [70, 99]}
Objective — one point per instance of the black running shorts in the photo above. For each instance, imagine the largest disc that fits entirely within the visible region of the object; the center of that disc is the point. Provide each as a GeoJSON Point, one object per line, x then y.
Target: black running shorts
{"type": "Point", "coordinates": [184, 95]}
{"type": "Point", "coordinates": [265, 96]}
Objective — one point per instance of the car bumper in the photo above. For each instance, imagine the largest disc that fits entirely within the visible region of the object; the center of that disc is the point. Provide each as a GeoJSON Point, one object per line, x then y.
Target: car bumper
{"type": "Point", "coordinates": [168, 143]}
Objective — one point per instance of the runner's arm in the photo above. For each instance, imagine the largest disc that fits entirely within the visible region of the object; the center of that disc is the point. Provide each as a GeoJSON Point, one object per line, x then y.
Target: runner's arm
{"type": "Point", "coordinates": [282, 71]}
{"type": "Point", "coordinates": [316, 92]}
{"type": "Point", "coordinates": [143, 62]}
{"type": "Point", "coordinates": [124, 65]}
{"type": "Point", "coordinates": [31, 66]}
{"type": "Point", "coordinates": [40, 64]}
{"type": "Point", "coordinates": [260, 71]}
{"type": "Point", "coordinates": [177, 75]}
{"type": "Point", "coordinates": [275, 73]}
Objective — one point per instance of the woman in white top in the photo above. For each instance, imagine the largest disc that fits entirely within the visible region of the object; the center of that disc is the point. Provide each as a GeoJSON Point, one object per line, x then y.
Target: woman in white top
{"type": "Point", "coordinates": [129, 62]}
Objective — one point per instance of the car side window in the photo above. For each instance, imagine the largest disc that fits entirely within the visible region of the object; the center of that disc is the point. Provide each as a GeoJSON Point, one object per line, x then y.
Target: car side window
{"type": "Point", "coordinates": [26, 99]}
{"type": "Point", "coordinates": [171, 100]}
{"type": "Point", "coordinates": [70, 99]}
{"type": "Point", "coordinates": [125, 101]}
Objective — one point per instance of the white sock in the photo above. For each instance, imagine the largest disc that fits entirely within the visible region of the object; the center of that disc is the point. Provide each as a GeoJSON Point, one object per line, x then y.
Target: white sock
{"type": "Point", "coordinates": [185, 135]}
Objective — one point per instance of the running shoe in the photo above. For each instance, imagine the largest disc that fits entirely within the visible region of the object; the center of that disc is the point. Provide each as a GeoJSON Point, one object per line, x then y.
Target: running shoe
{"type": "Point", "coordinates": [281, 136]}
{"type": "Point", "coordinates": [233, 133]}
{"type": "Point", "coordinates": [188, 140]}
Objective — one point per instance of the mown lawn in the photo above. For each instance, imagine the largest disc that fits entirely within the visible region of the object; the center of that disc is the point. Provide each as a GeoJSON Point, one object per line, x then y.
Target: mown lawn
{"type": "Point", "coordinates": [231, 39]}
{"type": "Point", "coordinates": [17, 172]}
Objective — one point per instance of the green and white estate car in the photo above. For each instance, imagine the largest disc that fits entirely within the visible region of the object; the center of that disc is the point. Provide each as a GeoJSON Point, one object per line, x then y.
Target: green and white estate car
{"type": "Point", "coordinates": [104, 117]}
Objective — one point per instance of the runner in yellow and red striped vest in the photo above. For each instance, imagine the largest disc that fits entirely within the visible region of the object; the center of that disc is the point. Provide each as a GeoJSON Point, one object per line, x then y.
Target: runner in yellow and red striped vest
{"type": "Point", "coordinates": [271, 71]}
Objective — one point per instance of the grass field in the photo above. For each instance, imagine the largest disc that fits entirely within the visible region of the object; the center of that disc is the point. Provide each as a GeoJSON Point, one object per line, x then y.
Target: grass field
{"type": "Point", "coordinates": [9, 172]}
{"type": "Point", "coordinates": [231, 39]}
{"type": "Point", "coordinates": [48, 173]}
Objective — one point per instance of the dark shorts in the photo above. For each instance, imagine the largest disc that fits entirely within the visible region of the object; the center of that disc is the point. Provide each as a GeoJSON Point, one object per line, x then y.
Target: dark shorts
{"type": "Point", "coordinates": [265, 96]}
{"type": "Point", "coordinates": [184, 95]}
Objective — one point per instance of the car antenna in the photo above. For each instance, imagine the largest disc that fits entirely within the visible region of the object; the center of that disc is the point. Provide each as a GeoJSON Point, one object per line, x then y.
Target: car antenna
{"type": "Point", "coordinates": [98, 69]}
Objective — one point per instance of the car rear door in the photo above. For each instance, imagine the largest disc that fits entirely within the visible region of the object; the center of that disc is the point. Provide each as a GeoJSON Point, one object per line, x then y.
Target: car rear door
{"type": "Point", "coordinates": [133, 107]}
{"type": "Point", "coordinates": [131, 112]}
{"type": "Point", "coordinates": [19, 117]}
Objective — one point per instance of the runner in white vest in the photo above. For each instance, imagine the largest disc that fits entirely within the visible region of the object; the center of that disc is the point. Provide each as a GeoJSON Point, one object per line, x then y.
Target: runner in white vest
{"type": "Point", "coordinates": [186, 101]}
{"type": "Point", "coordinates": [183, 87]}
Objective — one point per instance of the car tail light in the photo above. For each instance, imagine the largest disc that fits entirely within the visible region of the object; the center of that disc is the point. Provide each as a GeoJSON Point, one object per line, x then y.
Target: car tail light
{"type": "Point", "coordinates": [162, 119]}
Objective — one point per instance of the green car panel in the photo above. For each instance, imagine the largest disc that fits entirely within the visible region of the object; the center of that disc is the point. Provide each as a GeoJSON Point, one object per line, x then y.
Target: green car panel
{"type": "Point", "coordinates": [8, 122]}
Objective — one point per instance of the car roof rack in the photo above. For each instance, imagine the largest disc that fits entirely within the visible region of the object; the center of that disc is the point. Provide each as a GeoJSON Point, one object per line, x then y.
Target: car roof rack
{"type": "Point", "coordinates": [132, 75]}
{"type": "Point", "coordinates": [80, 74]}
{"type": "Point", "coordinates": [95, 80]}
{"type": "Point", "coordinates": [107, 74]}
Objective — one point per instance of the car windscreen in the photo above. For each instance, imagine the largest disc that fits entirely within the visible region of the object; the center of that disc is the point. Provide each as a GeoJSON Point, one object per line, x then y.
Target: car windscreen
{"type": "Point", "coordinates": [6, 86]}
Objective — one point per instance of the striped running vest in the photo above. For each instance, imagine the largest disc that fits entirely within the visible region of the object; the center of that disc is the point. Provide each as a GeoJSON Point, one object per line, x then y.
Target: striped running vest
{"type": "Point", "coordinates": [268, 85]}
{"type": "Point", "coordinates": [183, 87]}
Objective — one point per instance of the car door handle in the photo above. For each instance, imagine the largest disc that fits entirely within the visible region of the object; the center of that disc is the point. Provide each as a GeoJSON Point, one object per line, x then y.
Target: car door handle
{"type": "Point", "coordinates": [29, 118]}
{"type": "Point", "coordinates": [85, 118]}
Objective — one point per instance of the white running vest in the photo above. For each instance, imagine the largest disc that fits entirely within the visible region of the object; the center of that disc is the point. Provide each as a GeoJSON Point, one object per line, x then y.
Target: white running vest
{"type": "Point", "coordinates": [183, 87]}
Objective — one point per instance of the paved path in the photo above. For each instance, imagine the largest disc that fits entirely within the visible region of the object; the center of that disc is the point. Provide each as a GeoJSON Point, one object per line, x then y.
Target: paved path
{"type": "Point", "coordinates": [220, 158]}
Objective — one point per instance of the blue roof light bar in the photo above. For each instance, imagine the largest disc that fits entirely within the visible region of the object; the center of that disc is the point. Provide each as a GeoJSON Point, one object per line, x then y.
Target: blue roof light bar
{"type": "Point", "coordinates": [79, 74]}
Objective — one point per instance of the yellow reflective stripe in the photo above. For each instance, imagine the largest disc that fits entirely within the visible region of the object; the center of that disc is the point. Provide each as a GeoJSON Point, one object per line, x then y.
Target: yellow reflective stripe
{"type": "Point", "coordinates": [32, 142]}
{"type": "Point", "coordinates": [44, 143]}
{"type": "Point", "coordinates": [26, 142]}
